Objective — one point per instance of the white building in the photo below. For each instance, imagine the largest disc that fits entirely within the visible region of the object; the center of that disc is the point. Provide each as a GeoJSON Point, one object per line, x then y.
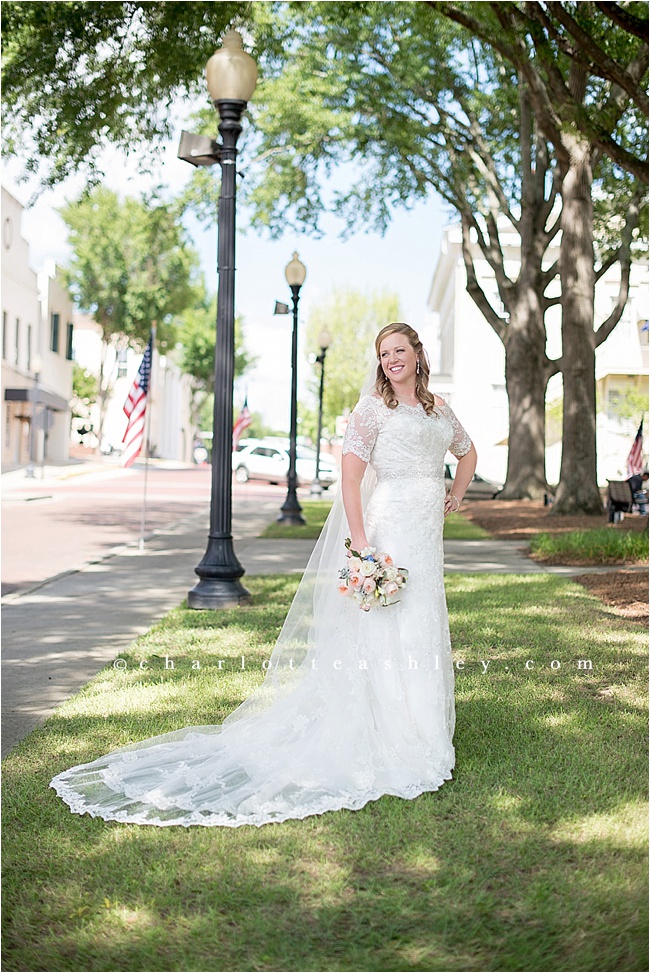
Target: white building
{"type": "Point", "coordinates": [171, 433]}
{"type": "Point", "coordinates": [36, 351]}
{"type": "Point", "coordinates": [470, 358]}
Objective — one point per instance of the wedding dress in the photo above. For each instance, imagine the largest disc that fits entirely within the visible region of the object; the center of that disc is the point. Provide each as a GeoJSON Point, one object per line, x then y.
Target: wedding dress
{"type": "Point", "coordinates": [354, 704]}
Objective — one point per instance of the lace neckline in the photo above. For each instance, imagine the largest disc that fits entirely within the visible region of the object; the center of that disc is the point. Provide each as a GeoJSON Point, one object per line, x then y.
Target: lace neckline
{"type": "Point", "coordinates": [405, 405]}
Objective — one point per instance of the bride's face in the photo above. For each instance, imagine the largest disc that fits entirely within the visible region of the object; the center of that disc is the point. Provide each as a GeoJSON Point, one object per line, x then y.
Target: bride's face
{"type": "Point", "coordinates": [398, 360]}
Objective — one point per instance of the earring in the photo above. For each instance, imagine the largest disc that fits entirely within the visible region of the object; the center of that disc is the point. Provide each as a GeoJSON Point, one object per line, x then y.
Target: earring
{"type": "Point", "coordinates": [417, 368]}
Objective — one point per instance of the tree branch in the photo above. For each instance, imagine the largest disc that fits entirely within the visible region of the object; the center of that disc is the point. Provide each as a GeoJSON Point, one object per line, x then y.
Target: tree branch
{"type": "Point", "coordinates": [474, 289]}
{"type": "Point", "coordinates": [610, 70]}
{"type": "Point", "coordinates": [607, 263]}
{"type": "Point", "coordinates": [549, 274]}
{"type": "Point", "coordinates": [625, 258]}
{"type": "Point", "coordinates": [623, 18]}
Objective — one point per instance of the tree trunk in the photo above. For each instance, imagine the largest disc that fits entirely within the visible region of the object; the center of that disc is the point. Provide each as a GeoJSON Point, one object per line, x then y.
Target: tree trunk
{"type": "Point", "coordinates": [526, 380]}
{"type": "Point", "coordinates": [578, 487]}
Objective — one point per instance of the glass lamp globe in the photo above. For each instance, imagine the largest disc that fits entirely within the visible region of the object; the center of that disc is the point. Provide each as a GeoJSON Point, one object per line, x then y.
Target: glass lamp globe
{"type": "Point", "coordinates": [231, 72]}
{"type": "Point", "coordinates": [295, 272]}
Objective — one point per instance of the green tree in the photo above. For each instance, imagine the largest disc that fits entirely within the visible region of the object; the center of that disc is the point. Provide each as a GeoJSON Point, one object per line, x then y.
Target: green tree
{"type": "Point", "coordinates": [197, 336]}
{"type": "Point", "coordinates": [423, 105]}
{"type": "Point", "coordinates": [78, 76]}
{"type": "Point", "coordinates": [131, 266]}
{"type": "Point", "coordinates": [353, 320]}
{"type": "Point", "coordinates": [586, 71]}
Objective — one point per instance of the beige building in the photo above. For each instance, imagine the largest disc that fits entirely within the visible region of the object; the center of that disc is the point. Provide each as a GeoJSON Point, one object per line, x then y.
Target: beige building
{"type": "Point", "coordinates": [37, 339]}
{"type": "Point", "coordinates": [468, 366]}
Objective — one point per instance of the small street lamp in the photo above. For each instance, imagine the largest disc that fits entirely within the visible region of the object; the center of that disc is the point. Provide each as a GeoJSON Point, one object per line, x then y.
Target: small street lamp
{"type": "Point", "coordinates": [324, 341]}
{"type": "Point", "coordinates": [231, 76]}
{"type": "Point", "coordinates": [295, 273]}
{"type": "Point", "coordinates": [37, 367]}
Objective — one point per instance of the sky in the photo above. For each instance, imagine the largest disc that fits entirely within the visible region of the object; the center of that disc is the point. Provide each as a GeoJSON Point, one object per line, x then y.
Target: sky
{"type": "Point", "coordinates": [402, 261]}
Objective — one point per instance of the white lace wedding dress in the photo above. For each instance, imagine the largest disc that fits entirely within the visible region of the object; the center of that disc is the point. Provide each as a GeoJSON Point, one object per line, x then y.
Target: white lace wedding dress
{"type": "Point", "coordinates": [355, 704]}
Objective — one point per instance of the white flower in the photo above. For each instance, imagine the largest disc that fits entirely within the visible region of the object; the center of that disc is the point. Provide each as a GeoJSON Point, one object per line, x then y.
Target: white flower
{"type": "Point", "coordinates": [368, 568]}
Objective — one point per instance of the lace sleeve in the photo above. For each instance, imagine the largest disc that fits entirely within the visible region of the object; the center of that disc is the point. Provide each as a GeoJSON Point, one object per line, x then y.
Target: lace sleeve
{"type": "Point", "coordinates": [461, 443]}
{"type": "Point", "coordinates": [363, 426]}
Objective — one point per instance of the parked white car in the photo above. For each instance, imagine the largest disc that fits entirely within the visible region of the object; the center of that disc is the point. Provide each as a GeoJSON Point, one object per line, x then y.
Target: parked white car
{"type": "Point", "coordinates": [478, 489]}
{"type": "Point", "coordinates": [268, 459]}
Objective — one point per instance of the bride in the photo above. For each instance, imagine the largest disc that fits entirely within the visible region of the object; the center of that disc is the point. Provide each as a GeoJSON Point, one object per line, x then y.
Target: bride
{"type": "Point", "coordinates": [355, 704]}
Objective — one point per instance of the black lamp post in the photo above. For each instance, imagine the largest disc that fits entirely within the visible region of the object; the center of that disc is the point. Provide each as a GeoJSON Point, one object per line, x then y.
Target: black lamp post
{"type": "Point", "coordinates": [295, 273]}
{"type": "Point", "coordinates": [324, 340]}
{"type": "Point", "coordinates": [232, 76]}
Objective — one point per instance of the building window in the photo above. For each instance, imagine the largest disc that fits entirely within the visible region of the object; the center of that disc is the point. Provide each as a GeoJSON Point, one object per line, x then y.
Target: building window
{"type": "Point", "coordinates": [4, 334]}
{"type": "Point", "coordinates": [54, 333]}
{"type": "Point", "coordinates": [613, 403]}
{"type": "Point", "coordinates": [68, 343]}
{"type": "Point", "coordinates": [29, 347]}
{"type": "Point", "coordinates": [121, 363]}
{"type": "Point", "coordinates": [17, 340]}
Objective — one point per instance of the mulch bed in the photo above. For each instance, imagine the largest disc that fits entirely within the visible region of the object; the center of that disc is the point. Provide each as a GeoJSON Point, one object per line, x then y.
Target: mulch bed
{"type": "Point", "coordinates": [516, 520]}
{"type": "Point", "coordinates": [625, 590]}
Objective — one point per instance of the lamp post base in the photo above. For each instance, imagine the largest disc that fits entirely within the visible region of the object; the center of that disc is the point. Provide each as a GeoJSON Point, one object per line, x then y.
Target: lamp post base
{"type": "Point", "coordinates": [291, 512]}
{"type": "Point", "coordinates": [219, 573]}
{"type": "Point", "coordinates": [213, 593]}
{"type": "Point", "coordinates": [316, 489]}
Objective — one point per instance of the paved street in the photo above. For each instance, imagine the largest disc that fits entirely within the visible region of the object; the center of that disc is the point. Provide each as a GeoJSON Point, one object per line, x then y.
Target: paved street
{"type": "Point", "coordinates": [80, 513]}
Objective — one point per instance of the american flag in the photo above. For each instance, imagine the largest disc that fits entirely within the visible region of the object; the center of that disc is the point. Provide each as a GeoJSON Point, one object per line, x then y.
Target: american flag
{"type": "Point", "coordinates": [244, 420]}
{"type": "Point", "coordinates": [135, 408]}
{"type": "Point", "coordinates": [635, 459]}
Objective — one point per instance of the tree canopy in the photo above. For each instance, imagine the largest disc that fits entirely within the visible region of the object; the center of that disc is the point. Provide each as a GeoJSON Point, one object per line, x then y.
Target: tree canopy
{"type": "Point", "coordinates": [131, 264]}
{"type": "Point", "coordinates": [78, 76]}
{"type": "Point", "coordinates": [353, 319]}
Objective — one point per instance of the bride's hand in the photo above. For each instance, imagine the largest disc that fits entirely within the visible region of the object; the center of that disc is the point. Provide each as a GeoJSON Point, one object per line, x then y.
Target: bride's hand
{"type": "Point", "coordinates": [358, 544]}
{"type": "Point", "coordinates": [452, 504]}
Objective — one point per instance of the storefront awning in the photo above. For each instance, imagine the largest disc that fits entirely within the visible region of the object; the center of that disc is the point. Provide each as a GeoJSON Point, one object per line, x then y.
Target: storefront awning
{"type": "Point", "coordinates": [37, 396]}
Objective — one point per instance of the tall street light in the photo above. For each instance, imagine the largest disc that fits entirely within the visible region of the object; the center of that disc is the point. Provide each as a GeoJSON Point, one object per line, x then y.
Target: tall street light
{"type": "Point", "coordinates": [324, 341]}
{"type": "Point", "coordinates": [295, 273]}
{"type": "Point", "coordinates": [232, 76]}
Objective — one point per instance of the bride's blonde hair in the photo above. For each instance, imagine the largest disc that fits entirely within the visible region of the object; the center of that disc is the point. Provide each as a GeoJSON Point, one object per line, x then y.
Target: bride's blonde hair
{"type": "Point", "coordinates": [383, 384]}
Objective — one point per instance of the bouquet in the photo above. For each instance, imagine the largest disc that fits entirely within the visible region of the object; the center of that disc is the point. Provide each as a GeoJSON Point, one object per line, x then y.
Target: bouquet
{"type": "Point", "coordinates": [371, 578]}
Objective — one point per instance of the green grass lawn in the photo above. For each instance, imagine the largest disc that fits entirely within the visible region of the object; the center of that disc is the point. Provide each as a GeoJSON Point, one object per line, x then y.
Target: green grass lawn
{"type": "Point", "coordinates": [315, 512]}
{"type": "Point", "coordinates": [605, 545]}
{"type": "Point", "coordinates": [532, 858]}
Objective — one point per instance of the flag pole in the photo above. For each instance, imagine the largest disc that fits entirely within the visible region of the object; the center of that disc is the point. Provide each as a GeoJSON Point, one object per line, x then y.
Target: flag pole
{"type": "Point", "coordinates": [143, 518]}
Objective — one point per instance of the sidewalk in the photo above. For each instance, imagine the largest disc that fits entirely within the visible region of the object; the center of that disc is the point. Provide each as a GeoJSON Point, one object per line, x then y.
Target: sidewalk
{"type": "Point", "coordinates": [58, 634]}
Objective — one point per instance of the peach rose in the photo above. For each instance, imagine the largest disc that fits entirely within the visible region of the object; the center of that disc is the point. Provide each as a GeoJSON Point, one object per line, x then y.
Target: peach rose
{"type": "Point", "coordinates": [390, 588]}
{"type": "Point", "coordinates": [369, 586]}
{"type": "Point", "coordinates": [356, 580]}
